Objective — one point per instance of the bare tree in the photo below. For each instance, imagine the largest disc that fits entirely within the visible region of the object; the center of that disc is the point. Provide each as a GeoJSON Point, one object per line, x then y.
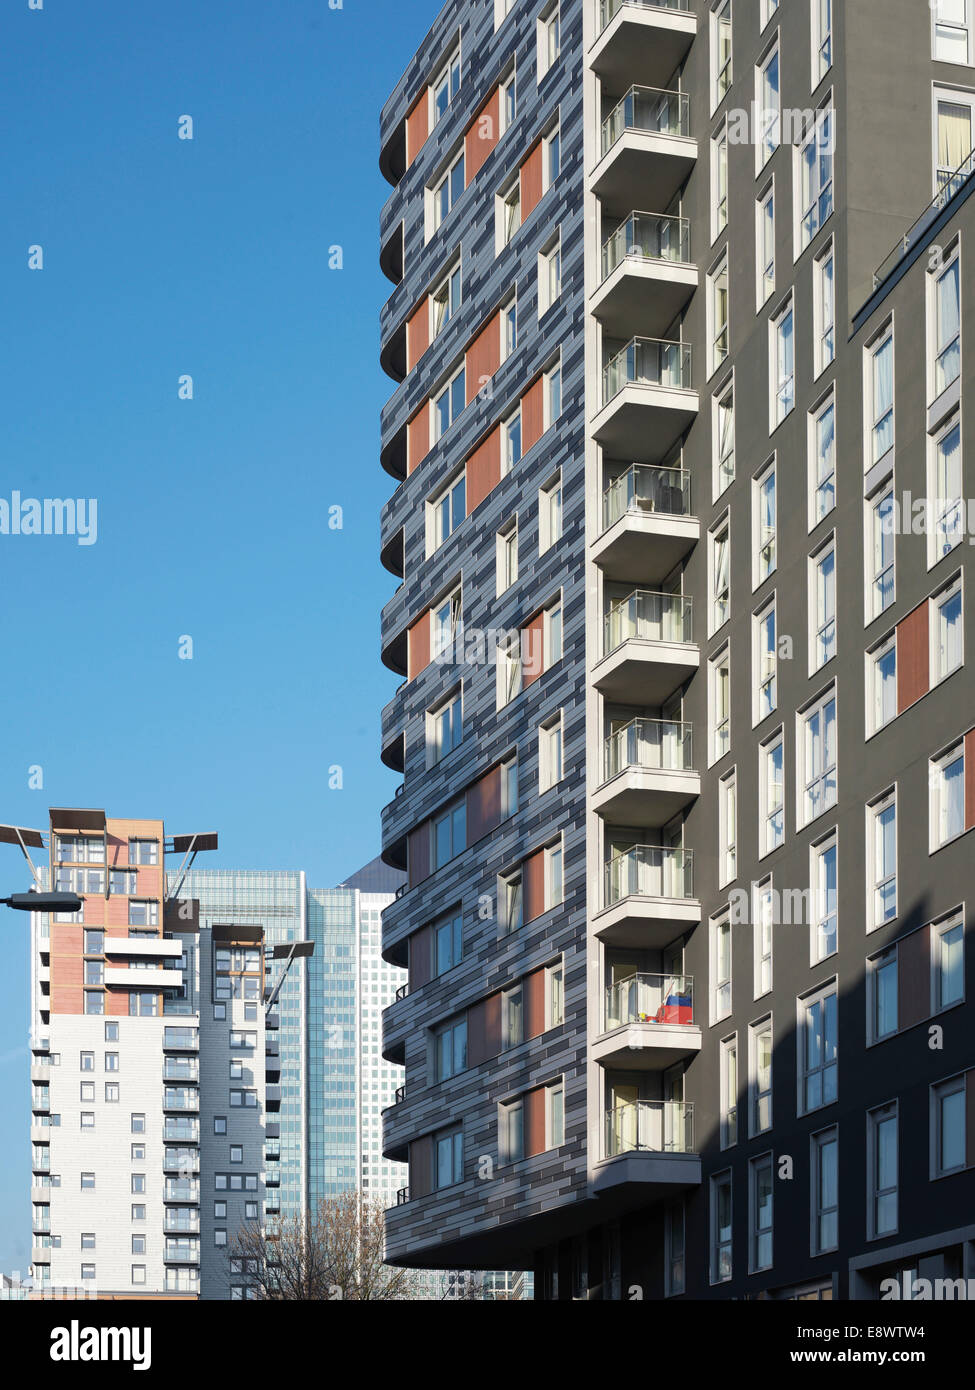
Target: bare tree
{"type": "Point", "coordinates": [336, 1254]}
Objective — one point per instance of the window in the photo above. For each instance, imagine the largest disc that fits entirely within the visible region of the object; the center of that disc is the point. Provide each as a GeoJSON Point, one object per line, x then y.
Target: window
{"type": "Point", "coordinates": [449, 403]}
{"type": "Point", "coordinates": [768, 9]}
{"type": "Point", "coordinates": [782, 364]}
{"type": "Point", "coordinates": [674, 1241]}
{"type": "Point", "coordinates": [445, 87]}
{"type": "Point", "coordinates": [825, 1191]}
{"type": "Point", "coordinates": [87, 1063]}
{"type": "Point", "coordinates": [881, 524]}
{"type": "Point", "coordinates": [882, 684]}
{"type": "Point", "coordinates": [220, 1124]}
{"type": "Point", "coordinates": [137, 1124]}
{"type": "Point", "coordinates": [814, 185]}
{"type": "Point", "coordinates": [445, 622]}
{"type": "Point", "coordinates": [882, 861]}
{"type": "Point", "coordinates": [721, 75]}
{"type": "Point", "coordinates": [824, 899]}
{"type": "Point", "coordinates": [549, 275]}
{"type": "Point", "coordinates": [723, 433]}
{"type": "Point", "coordinates": [720, 1227]}
{"type": "Point", "coordinates": [511, 1136]}
{"type": "Point", "coordinates": [720, 968]}
{"type": "Point", "coordinates": [818, 1049]}
{"type": "Point", "coordinates": [448, 943]}
{"type": "Point", "coordinates": [548, 40]}
{"type": "Point", "coordinates": [143, 851]}
{"type": "Point", "coordinates": [111, 1091]}
{"type": "Point", "coordinates": [446, 192]}
{"type": "Point", "coordinates": [553, 396]}
{"type": "Point", "coordinates": [760, 1179]}
{"type": "Point", "coordinates": [824, 309]}
{"type": "Point", "coordinates": [111, 1061]}
{"type": "Point", "coordinates": [550, 753]}
{"type": "Point", "coordinates": [551, 158]}
{"type": "Point", "coordinates": [718, 314]}
{"type": "Point", "coordinates": [512, 899]}
{"type": "Point", "coordinates": [760, 1076]}
{"type": "Point", "coordinates": [764, 900]}
{"type": "Point", "coordinates": [445, 301]}
{"type": "Point", "coordinates": [554, 996]}
{"type": "Point", "coordinates": [507, 102]}
{"type": "Point", "coordinates": [138, 1183]}
{"type": "Point", "coordinates": [719, 180]}
{"type": "Point", "coordinates": [816, 757]}
{"type": "Point", "coordinates": [954, 120]}
{"type": "Point", "coordinates": [87, 1240]}
{"type": "Point", "coordinates": [450, 1045]}
{"type": "Point", "coordinates": [764, 526]}
{"type": "Point", "coordinates": [882, 995]}
{"type": "Point", "coordinates": [945, 491]}
{"type": "Point", "coordinates": [767, 101]}
{"type": "Point", "coordinates": [449, 1158]}
{"type": "Point", "coordinates": [512, 1016]}
{"type": "Point", "coordinates": [446, 512]}
{"type": "Point", "coordinates": [511, 441]}
{"type": "Point", "coordinates": [138, 1211]}
{"type": "Point", "coordinates": [111, 1032]}
{"type": "Point", "coordinates": [719, 539]}
{"type": "Point", "coordinates": [772, 794]}
{"type": "Point", "coordinates": [553, 876]}
{"type": "Point", "coordinates": [947, 783]}
{"type": "Point", "coordinates": [236, 1153]}
{"type": "Point", "coordinates": [948, 1127]}
{"type": "Point", "coordinates": [951, 36]}
{"type": "Point", "coordinates": [764, 663]}
{"type": "Point", "coordinates": [87, 1273]}
{"type": "Point", "coordinates": [727, 829]}
{"type": "Point", "coordinates": [550, 513]}
{"type": "Point", "coordinates": [138, 1245]}
{"type": "Point", "coordinates": [509, 329]}
{"type": "Point", "coordinates": [719, 669]}
{"type": "Point", "coordinates": [948, 963]}
{"type": "Point", "coordinates": [880, 397]}
{"type": "Point", "coordinates": [94, 972]}
{"type": "Point", "coordinates": [144, 914]}
{"type": "Point", "coordinates": [87, 1182]}
{"type": "Point", "coordinates": [94, 1001]}
{"type": "Point", "coordinates": [822, 461]}
{"type": "Point", "coordinates": [553, 635]}
{"type": "Point", "coordinates": [445, 727]}
{"type": "Point", "coordinates": [243, 1099]}
{"type": "Point", "coordinates": [765, 247]}
{"type": "Point", "coordinates": [729, 1091]}
{"type": "Point", "coordinates": [947, 651]}
{"type": "Point", "coordinates": [882, 1171]}
{"type": "Point", "coordinates": [508, 214]}
{"type": "Point", "coordinates": [822, 39]}
{"type": "Point", "coordinates": [137, 1153]}
{"type": "Point", "coordinates": [250, 1211]}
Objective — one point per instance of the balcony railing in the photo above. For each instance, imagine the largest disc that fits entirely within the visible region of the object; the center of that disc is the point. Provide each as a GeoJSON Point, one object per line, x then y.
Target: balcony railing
{"type": "Point", "coordinates": [181, 1069]}
{"type": "Point", "coordinates": [401, 993]}
{"type": "Point", "coordinates": [650, 999]}
{"type": "Point", "coordinates": [646, 489]}
{"type": "Point", "coordinates": [181, 1039]}
{"type": "Point", "coordinates": [949, 183]}
{"type": "Point", "coordinates": [182, 1251]}
{"type": "Point", "coordinates": [648, 362]}
{"type": "Point", "coordinates": [650, 1126]}
{"type": "Point", "coordinates": [181, 1191]}
{"type": "Point", "coordinates": [649, 110]}
{"type": "Point", "coordinates": [189, 1224]}
{"type": "Point", "coordinates": [650, 744]}
{"type": "Point", "coordinates": [400, 1094]}
{"type": "Point", "coordinates": [649, 871]}
{"type": "Point", "coordinates": [402, 1196]}
{"type": "Point", "coordinates": [181, 1160]}
{"type": "Point", "coordinates": [181, 1099]}
{"type": "Point", "coordinates": [609, 9]}
{"type": "Point", "coordinates": [186, 1130]}
{"type": "Point", "coordinates": [647, 616]}
{"type": "Point", "coordinates": [648, 236]}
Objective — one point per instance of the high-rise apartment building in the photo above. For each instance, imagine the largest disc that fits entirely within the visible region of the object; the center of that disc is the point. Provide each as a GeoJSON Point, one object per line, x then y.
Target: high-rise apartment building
{"type": "Point", "coordinates": [685, 916]}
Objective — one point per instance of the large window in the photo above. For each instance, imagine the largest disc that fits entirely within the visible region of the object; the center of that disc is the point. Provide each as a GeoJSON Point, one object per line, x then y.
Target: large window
{"type": "Point", "coordinates": [880, 396]}
{"type": "Point", "coordinates": [723, 433]}
{"type": "Point", "coordinates": [767, 97]}
{"type": "Point", "coordinates": [450, 1049]}
{"type": "Point", "coordinates": [947, 783]}
{"type": "Point", "coordinates": [772, 795]}
{"type": "Point", "coordinates": [447, 190]}
{"type": "Point", "coordinates": [814, 185]}
{"type": "Point", "coordinates": [947, 963]}
{"type": "Point", "coordinates": [720, 968]}
{"type": "Point", "coordinates": [946, 326]}
{"type": "Point", "coordinates": [882, 1171]}
{"type": "Point", "coordinates": [881, 525]}
{"type": "Point", "coordinates": [765, 246]}
{"type": "Point", "coordinates": [882, 684]}
{"type": "Point", "coordinates": [448, 943]}
{"type": "Point", "coordinates": [720, 1218]}
{"type": "Point", "coordinates": [823, 924]}
{"type": "Point", "coordinates": [449, 403]}
{"type": "Point", "coordinates": [945, 490]}
{"type": "Point", "coordinates": [449, 834]}
{"type": "Point", "coordinates": [818, 1049]}
{"type": "Point", "coordinates": [445, 727]}
{"type": "Point", "coordinates": [948, 1127]}
{"type": "Point", "coordinates": [825, 1191]}
{"type": "Point", "coordinates": [816, 758]}
{"type": "Point", "coordinates": [449, 1154]}
{"type": "Point", "coordinates": [824, 309]}
{"type": "Point", "coordinates": [947, 651]}
{"type": "Point", "coordinates": [953, 134]}
{"type": "Point", "coordinates": [882, 995]}
{"type": "Point", "coordinates": [447, 510]}
{"type": "Point", "coordinates": [822, 460]}
{"type": "Point", "coordinates": [764, 519]}
{"type": "Point", "coordinates": [760, 1180]}
{"type": "Point", "coordinates": [782, 364]}
{"type": "Point", "coordinates": [882, 861]}
{"type": "Point", "coordinates": [445, 87]}
{"type": "Point", "coordinates": [760, 1076]}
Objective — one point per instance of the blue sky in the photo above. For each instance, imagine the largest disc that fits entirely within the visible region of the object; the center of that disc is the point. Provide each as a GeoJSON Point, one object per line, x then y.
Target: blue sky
{"type": "Point", "coordinates": [209, 257]}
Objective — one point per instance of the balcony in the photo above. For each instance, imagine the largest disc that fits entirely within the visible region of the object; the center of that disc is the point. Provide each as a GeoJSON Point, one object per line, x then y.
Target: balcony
{"type": "Point", "coordinates": [181, 1039]}
{"type": "Point", "coordinates": [181, 1190]}
{"type": "Point", "coordinates": [190, 1224]}
{"type": "Point", "coordinates": [648, 773]}
{"type": "Point", "coordinates": [638, 38]}
{"type": "Point", "coordinates": [648, 1023]}
{"type": "Point", "coordinates": [272, 1097]}
{"type": "Point", "coordinates": [647, 1141]}
{"type": "Point", "coordinates": [182, 1252]}
{"type": "Point", "coordinates": [647, 400]}
{"type": "Point", "coordinates": [647, 524]}
{"type": "Point", "coordinates": [646, 150]}
{"type": "Point", "coordinates": [181, 1099]}
{"type": "Point", "coordinates": [181, 1069]}
{"type": "Point", "coordinates": [648, 896]}
{"type": "Point", "coordinates": [647, 275]}
{"type": "Point", "coordinates": [181, 1161]}
{"type": "Point", "coordinates": [648, 651]}
{"type": "Point", "coordinates": [40, 1071]}
{"type": "Point", "coordinates": [181, 1131]}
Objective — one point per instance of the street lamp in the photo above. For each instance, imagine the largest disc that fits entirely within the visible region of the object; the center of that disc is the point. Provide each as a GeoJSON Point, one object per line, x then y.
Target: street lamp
{"type": "Point", "coordinates": [43, 902]}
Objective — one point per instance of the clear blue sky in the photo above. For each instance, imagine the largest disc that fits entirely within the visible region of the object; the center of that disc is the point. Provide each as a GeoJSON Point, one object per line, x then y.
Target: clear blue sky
{"type": "Point", "coordinates": [164, 257]}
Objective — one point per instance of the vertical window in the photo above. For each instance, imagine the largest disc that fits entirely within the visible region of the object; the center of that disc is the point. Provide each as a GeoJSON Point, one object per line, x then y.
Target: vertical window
{"type": "Point", "coordinates": [507, 103]}
{"type": "Point", "coordinates": [951, 34]}
{"type": "Point", "coordinates": [882, 995]}
{"type": "Point", "coordinates": [445, 87]}
{"type": "Point", "coordinates": [509, 329]}
{"type": "Point", "coordinates": [512, 1136]}
{"type": "Point", "coordinates": [764, 900]}
{"type": "Point", "coordinates": [512, 1016]}
{"type": "Point", "coordinates": [772, 795]}
{"type": "Point", "coordinates": [445, 727]}
{"type": "Point", "coordinates": [449, 834]}
{"type": "Point", "coordinates": [822, 460]}
{"type": "Point", "coordinates": [444, 302]}
{"type": "Point", "coordinates": [550, 513]}
{"type": "Point", "coordinates": [818, 1049]}
{"type": "Point", "coordinates": [948, 1127]}
{"type": "Point", "coordinates": [814, 184]}
{"type": "Point", "coordinates": [816, 756]}
{"type": "Point", "coordinates": [509, 787]}
{"type": "Point", "coordinates": [764, 526]}
{"type": "Point", "coordinates": [765, 246]}
{"type": "Point", "coordinates": [449, 1158]}
{"type": "Point", "coordinates": [720, 672]}
{"type": "Point", "coordinates": [822, 39]}
{"type": "Point", "coordinates": [449, 403]}
{"type": "Point", "coordinates": [882, 1171]}
{"type": "Point", "coordinates": [554, 996]}
{"type": "Point", "coordinates": [945, 491]}
{"type": "Point", "coordinates": [881, 524]}
{"type": "Point", "coordinates": [723, 433]}
{"type": "Point", "coordinates": [720, 548]}
{"type": "Point", "coordinates": [767, 99]}
{"type": "Point", "coordinates": [947, 783]}
{"type": "Point", "coordinates": [824, 309]}
{"type": "Point", "coordinates": [954, 123]}
{"type": "Point", "coordinates": [511, 441]}
{"type": "Point", "coordinates": [825, 1191]}
{"type": "Point", "coordinates": [675, 1249]}
{"type": "Point", "coordinates": [824, 899]}
{"type": "Point", "coordinates": [718, 314]}
{"type": "Point", "coordinates": [508, 214]}
{"type": "Point", "coordinates": [729, 1092]}
{"type": "Point", "coordinates": [445, 621]}
{"type": "Point", "coordinates": [947, 963]}
{"type": "Point", "coordinates": [882, 861]}
{"type": "Point", "coordinates": [551, 158]}
{"type": "Point", "coordinates": [760, 1180]}
{"type": "Point", "coordinates": [728, 828]}
{"type": "Point", "coordinates": [782, 366]}
{"type": "Point", "coordinates": [947, 651]}
{"type": "Point", "coordinates": [880, 395]}
{"type": "Point", "coordinates": [550, 753]}
{"type": "Point", "coordinates": [760, 1076]}
{"type": "Point", "coordinates": [549, 275]}
{"type": "Point", "coordinates": [447, 511]}
{"type": "Point", "coordinates": [946, 326]}
{"type": "Point", "coordinates": [719, 180]}
{"type": "Point", "coordinates": [450, 1047]}
{"type": "Point", "coordinates": [764, 662]}
{"type": "Point", "coordinates": [553, 876]}
{"type": "Point", "coordinates": [548, 40]}
{"type": "Point", "coordinates": [448, 943]}
{"type": "Point", "coordinates": [507, 557]}
{"type": "Point", "coordinates": [721, 75]}
{"type": "Point", "coordinates": [447, 191]}
{"type": "Point", "coordinates": [720, 1227]}
{"type": "Point", "coordinates": [720, 968]}
{"type": "Point", "coordinates": [882, 686]}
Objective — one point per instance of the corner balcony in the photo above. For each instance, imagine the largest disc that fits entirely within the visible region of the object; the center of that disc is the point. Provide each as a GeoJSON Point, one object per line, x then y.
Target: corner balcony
{"type": "Point", "coordinates": [648, 773]}
{"type": "Point", "coordinates": [648, 650]}
{"type": "Point", "coordinates": [647, 400]}
{"type": "Point", "coordinates": [647, 275]}
{"type": "Point", "coordinates": [646, 149]}
{"type": "Point", "coordinates": [641, 38]}
{"type": "Point", "coordinates": [647, 1142]}
{"type": "Point", "coordinates": [648, 897]}
{"type": "Point", "coordinates": [647, 524]}
{"type": "Point", "coordinates": [648, 1023]}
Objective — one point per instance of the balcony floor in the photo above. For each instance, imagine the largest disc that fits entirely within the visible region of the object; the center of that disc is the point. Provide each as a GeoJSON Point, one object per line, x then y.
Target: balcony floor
{"type": "Point", "coordinates": [641, 672]}
{"type": "Point", "coordinates": [642, 46]}
{"type": "Point", "coordinates": [643, 297]}
{"type": "Point", "coordinates": [650, 923]}
{"type": "Point", "coordinates": [646, 796]}
{"type": "Point", "coordinates": [643, 169]}
{"type": "Point", "coordinates": [643, 422]}
{"type": "Point", "coordinates": [646, 1046]}
{"type": "Point", "coordinates": [633, 1179]}
{"type": "Point", "coordinates": [643, 547]}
